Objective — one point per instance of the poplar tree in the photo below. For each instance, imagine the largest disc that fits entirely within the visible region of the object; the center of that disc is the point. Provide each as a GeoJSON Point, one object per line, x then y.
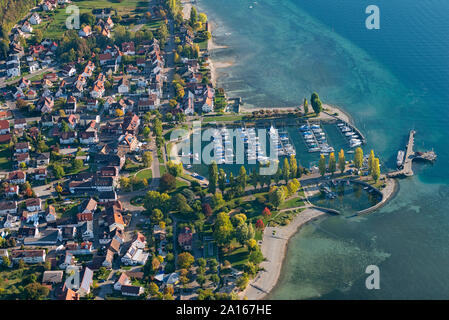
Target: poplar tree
{"type": "Point", "coordinates": [332, 163]}
{"type": "Point", "coordinates": [222, 180]}
{"type": "Point", "coordinates": [341, 161]}
{"type": "Point", "coordinates": [213, 177]}
{"type": "Point", "coordinates": [358, 158]}
{"type": "Point", "coordinates": [376, 169]}
{"type": "Point", "coordinates": [306, 106]}
{"type": "Point", "coordinates": [371, 162]}
{"type": "Point", "coordinates": [286, 170]}
{"type": "Point", "coordinates": [322, 165]}
{"type": "Point", "coordinates": [243, 178]}
{"type": "Point", "coordinates": [293, 166]}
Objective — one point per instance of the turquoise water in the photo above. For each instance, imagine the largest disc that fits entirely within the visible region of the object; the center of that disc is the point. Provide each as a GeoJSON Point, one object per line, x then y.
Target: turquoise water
{"type": "Point", "coordinates": [390, 80]}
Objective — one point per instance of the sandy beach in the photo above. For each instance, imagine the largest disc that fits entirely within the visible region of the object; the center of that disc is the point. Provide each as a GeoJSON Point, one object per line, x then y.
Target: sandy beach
{"type": "Point", "coordinates": [274, 248]}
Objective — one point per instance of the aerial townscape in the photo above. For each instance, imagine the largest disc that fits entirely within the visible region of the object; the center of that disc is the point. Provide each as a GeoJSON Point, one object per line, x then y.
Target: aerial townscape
{"type": "Point", "coordinates": [95, 183]}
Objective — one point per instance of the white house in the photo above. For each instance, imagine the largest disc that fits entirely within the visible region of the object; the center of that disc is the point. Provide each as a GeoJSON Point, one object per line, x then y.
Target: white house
{"type": "Point", "coordinates": [28, 256]}
{"type": "Point", "coordinates": [34, 204]}
{"type": "Point", "coordinates": [33, 66]}
{"type": "Point", "coordinates": [26, 27]}
{"type": "Point", "coordinates": [13, 70]}
{"type": "Point", "coordinates": [35, 19]}
{"type": "Point", "coordinates": [123, 86]}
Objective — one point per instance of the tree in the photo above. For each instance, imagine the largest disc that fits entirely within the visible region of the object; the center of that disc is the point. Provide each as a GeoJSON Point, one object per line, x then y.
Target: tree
{"type": "Point", "coordinates": [316, 103]}
{"type": "Point", "coordinates": [358, 158]}
{"type": "Point", "coordinates": [179, 202]}
{"type": "Point", "coordinates": [215, 279]}
{"type": "Point", "coordinates": [332, 163]}
{"type": "Point", "coordinates": [341, 161]}
{"type": "Point", "coordinates": [322, 165]}
{"type": "Point", "coordinates": [119, 113]}
{"type": "Point", "coordinates": [20, 104]}
{"type": "Point", "coordinates": [251, 232]}
{"type": "Point", "coordinates": [185, 260]}
{"type": "Point", "coordinates": [58, 188]}
{"type": "Point", "coordinates": [266, 212]}
{"type": "Point", "coordinates": [167, 182]}
{"type": "Point", "coordinates": [202, 17]}
{"type": "Point", "coordinates": [156, 200]}
{"type": "Point", "coordinates": [5, 261]}
{"type": "Point", "coordinates": [217, 200]}
{"type": "Point", "coordinates": [77, 164]}
{"type": "Point", "coordinates": [256, 256]}
{"type": "Point", "coordinates": [153, 289]}
{"type": "Point", "coordinates": [286, 170]}
{"type": "Point", "coordinates": [293, 186]}
{"type": "Point", "coordinates": [254, 178]}
{"type": "Point", "coordinates": [223, 229]}
{"type": "Point", "coordinates": [371, 162]}
{"type": "Point", "coordinates": [207, 210]}
{"type": "Point", "coordinates": [58, 171]}
{"type": "Point", "coordinates": [306, 106]}
{"type": "Point", "coordinates": [201, 279]}
{"type": "Point", "coordinates": [242, 281]}
{"type": "Point", "coordinates": [125, 183]}
{"type": "Point", "coordinates": [35, 291]}
{"type": "Point", "coordinates": [222, 180]}
{"type": "Point", "coordinates": [259, 224]}
{"type": "Point", "coordinates": [276, 196]}
{"type": "Point", "coordinates": [146, 132]}
{"type": "Point", "coordinates": [243, 178]}
{"type": "Point", "coordinates": [147, 158]}
{"type": "Point", "coordinates": [293, 166]}
{"type": "Point", "coordinates": [175, 169]}
{"type": "Point", "coordinates": [87, 18]}
{"type": "Point", "coordinates": [213, 177]}
{"type": "Point", "coordinates": [376, 169]}
{"type": "Point", "coordinates": [193, 16]}
{"type": "Point", "coordinates": [157, 215]}
{"type": "Point", "coordinates": [241, 233]}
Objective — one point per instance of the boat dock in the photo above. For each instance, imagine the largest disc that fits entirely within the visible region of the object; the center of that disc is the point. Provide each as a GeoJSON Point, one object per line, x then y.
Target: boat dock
{"type": "Point", "coordinates": [410, 155]}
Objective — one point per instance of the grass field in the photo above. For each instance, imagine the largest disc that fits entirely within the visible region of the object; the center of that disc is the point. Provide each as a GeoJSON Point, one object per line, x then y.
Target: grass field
{"type": "Point", "coordinates": [54, 26]}
{"type": "Point", "coordinates": [144, 174]}
{"type": "Point", "coordinates": [5, 156]}
{"type": "Point", "coordinates": [238, 257]}
{"type": "Point", "coordinates": [292, 203]}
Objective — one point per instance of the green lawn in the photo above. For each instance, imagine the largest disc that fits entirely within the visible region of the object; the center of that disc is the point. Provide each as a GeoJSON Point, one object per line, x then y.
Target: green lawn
{"type": "Point", "coordinates": [292, 203]}
{"type": "Point", "coordinates": [238, 257]}
{"type": "Point", "coordinates": [144, 174]}
{"type": "Point", "coordinates": [5, 158]}
{"type": "Point", "coordinates": [54, 26]}
{"type": "Point", "coordinates": [181, 183]}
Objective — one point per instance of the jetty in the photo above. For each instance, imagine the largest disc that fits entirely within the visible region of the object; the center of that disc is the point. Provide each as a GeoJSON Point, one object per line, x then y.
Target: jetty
{"type": "Point", "coordinates": [410, 155]}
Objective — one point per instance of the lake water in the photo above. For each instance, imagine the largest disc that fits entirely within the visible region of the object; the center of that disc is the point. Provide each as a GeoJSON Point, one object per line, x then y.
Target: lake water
{"type": "Point", "coordinates": [390, 80]}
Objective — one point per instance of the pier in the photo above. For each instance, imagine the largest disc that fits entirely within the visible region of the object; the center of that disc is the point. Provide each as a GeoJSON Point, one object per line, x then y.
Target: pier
{"type": "Point", "coordinates": [410, 155]}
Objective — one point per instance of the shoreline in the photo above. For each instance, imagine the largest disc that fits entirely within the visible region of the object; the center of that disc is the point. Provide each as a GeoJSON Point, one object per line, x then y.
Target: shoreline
{"type": "Point", "coordinates": [274, 249]}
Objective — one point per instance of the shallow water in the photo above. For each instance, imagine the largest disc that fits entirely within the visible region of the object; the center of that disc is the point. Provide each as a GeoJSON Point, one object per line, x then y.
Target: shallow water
{"type": "Point", "coordinates": [389, 80]}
